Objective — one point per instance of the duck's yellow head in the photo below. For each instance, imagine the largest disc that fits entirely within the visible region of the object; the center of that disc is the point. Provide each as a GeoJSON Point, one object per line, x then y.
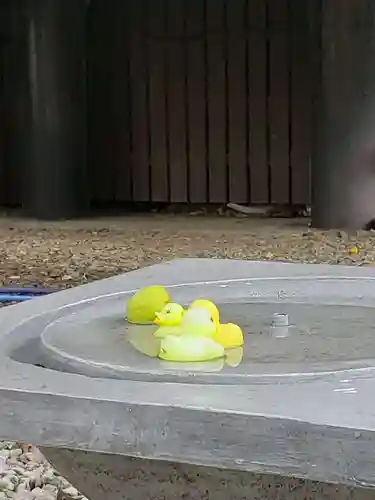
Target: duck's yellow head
{"type": "Point", "coordinates": [198, 321]}
{"type": "Point", "coordinates": [208, 306]}
{"type": "Point", "coordinates": [170, 315]}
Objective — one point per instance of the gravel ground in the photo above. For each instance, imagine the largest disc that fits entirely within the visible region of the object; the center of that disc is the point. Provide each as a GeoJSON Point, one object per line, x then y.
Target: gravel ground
{"type": "Point", "coordinates": [67, 254]}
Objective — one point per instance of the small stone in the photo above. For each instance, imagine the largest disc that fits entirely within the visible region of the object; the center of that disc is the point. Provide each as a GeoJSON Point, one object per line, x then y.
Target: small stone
{"type": "Point", "coordinates": [16, 469]}
{"type": "Point", "coordinates": [71, 491]}
{"type": "Point", "coordinates": [23, 458]}
{"type": "Point", "coordinates": [48, 475]}
{"type": "Point", "coordinates": [4, 467]}
{"type": "Point", "coordinates": [28, 474]}
{"type": "Point", "coordinates": [56, 481]}
{"type": "Point", "coordinates": [67, 277]}
{"type": "Point", "coordinates": [36, 480]}
{"type": "Point", "coordinates": [15, 453]}
{"type": "Point", "coordinates": [64, 483]}
{"type": "Point", "coordinates": [50, 488]}
{"type": "Point", "coordinates": [23, 486]}
{"type": "Point", "coordinates": [11, 486]}
{"type": "Point", "coordinates": [44, 495]}
{"type": "Point", "coordinates": [6, 484]}
{"type": "Point", "coordinates": [34, 456]}
{"type": "Point", "coordinates": [12, 477]}
{"type": "Point", "coordinates": [24, 495]}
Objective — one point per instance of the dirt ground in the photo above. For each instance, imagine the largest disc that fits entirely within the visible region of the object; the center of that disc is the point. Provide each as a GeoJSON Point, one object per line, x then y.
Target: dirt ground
{"type": "Point", "coordinates": [68, 253]}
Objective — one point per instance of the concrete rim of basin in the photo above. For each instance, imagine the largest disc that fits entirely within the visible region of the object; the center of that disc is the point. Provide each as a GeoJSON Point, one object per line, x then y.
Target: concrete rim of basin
{"type": "Point", "coordinates": [328, 413]}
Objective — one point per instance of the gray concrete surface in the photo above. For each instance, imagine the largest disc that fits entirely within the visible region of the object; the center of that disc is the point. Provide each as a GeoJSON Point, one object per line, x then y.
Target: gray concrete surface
{"type": "Point", "coordinates": [315, 424]}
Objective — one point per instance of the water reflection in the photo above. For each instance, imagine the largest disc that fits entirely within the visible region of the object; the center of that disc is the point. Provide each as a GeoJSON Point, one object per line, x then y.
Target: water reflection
{"type": "Point", "coordinates": [142, 340]}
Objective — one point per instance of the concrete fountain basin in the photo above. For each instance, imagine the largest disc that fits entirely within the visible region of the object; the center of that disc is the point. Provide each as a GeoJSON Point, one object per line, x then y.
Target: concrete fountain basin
{"type": "Point", "coordinates": [295, 405]}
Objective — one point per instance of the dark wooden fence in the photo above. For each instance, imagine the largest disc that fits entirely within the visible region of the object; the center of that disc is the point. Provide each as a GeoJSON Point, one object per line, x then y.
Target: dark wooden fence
{"type": "Point", "coordinates": [14, 97]}
{"type": "Point", "coordinates": [199, 101]}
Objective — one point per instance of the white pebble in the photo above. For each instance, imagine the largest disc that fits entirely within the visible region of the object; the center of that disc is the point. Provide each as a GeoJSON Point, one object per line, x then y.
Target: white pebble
{"type": "Point", "coordinates": [15, 463]}
{"type": "Point", "coordinates": [48, 475]}
{"type": "Point", "coordinates": [42, 495]}
{"type": "Point", "coordinates": [18, 470]}
{"type": "Point", "coordinates": [50, 488]}
{"type": "Point", "coordinates": [23, 494]}
{"type": "Point", "coordinates": [35, 456]}
{"type": "Point", "coordinates": [22, 467]}
{"type": "Point", "coordinates": [6, 484]}
{"type": "Point", "coordinates": [64, 483]}
{"type": "Point", "coordinates": [17, 452]}
{"type": "Point", "coordinates": [4, 467]}
{"type": "Point", "coordinates": [9, 445]}
{"type": "Point", "coordinates": [28, 474]}
{"type": "Point", "coordinates": [23, 486]}
{"type": "Point", "coordinates": [12, 477]}
{"type": "Point", "coordinates": [37, 491]}
{"type": "Point", "coordinates": [71, 491]}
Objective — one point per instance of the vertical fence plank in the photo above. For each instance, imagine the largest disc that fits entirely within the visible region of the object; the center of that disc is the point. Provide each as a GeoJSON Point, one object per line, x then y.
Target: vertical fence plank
{"type": "Point", "coordinates": [99, 147]}
{"type": "Point", "coordinates": [15, 92]}
{"type": "Point", "coordinates": [4, 22]}
{"type": "Point", "coordinates": [120, 101]}
{"type": "Point", "coordinates": [108, 104]}
{"type": "Point", "coordinates": [279, 100]}
{"type": "Point", "coordinates": [159, 100]}
{"type": "Point", "coordinates": [216, 81]}
{"type": "Point", "coordinates": [257, 99]}
{"type": "Point", "coordinates": [302, 101]}
{"type": "Point", "coordinates": [196, 105]}
{"type": "Point", "coordinates": [6, 101]}
{"type": "Point", "coordinates": [237, 101]}
{"type": "Point", "coordinates": [176, 99]}
{"type": "Point", "coordinates": [140, 125]}
{"type": "Point", "coordinates": [3, 118]}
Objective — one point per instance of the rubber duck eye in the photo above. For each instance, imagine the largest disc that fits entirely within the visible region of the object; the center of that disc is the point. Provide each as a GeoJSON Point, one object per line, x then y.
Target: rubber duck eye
{"type": "Point", "coordinates": [167, 311]}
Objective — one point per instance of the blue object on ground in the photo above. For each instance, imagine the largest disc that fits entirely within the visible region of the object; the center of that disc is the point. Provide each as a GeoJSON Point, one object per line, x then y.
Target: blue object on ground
{"type": "Point", "coordinates": [19, 294]}
{"type": "Point", "coordinates": [16, 298]}
{"type": "Point", "coordinates": [26, 290]}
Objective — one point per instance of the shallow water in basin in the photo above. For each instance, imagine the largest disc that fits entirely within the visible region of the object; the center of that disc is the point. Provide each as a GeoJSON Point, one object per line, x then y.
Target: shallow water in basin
{"type": "Point", "coordinates": [320, 338]}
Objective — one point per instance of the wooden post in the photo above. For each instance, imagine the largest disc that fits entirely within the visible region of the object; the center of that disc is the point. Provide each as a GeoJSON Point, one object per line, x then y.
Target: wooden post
{"type": "Point", "coordinates": [55, 184]}
{"type": "Point", "coordinates": [343, 164]}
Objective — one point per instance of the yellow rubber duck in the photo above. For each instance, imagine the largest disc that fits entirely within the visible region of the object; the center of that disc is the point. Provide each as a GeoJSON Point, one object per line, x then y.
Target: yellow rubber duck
{"type": "Point", "coordinates": [170, 315]}
{"type": "Point", "coordinates": [198, 322]}
{"type": "Point", "coordinates": [209, 306]}
{"type": "Point", "coordinates": [142, 306]}
{"type": "Point", "coordinates": [193, 341]}
{"type": "Point", "coordinates": [169, 320]}
{"type": "Point", "coordinates": [229, 335]}
{"type": "Point", "coordinates": [187, 348]}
